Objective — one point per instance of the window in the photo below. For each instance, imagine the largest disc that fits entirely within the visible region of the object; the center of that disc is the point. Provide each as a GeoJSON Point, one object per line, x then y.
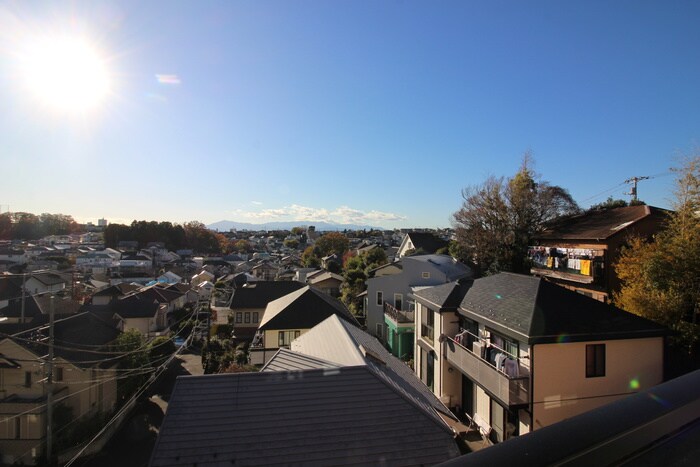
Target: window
{"type": "Point", "coordinates": [380, 330]}
{"type": "Point", "coordinates": [398, 301]}
{"type": "Point", "coordinates": [427, 323]}
{"type": "Point", "coordinates": [427, 367]}
{"type": "Point", "coordinates": [425, 275]}
{"type": "Point", "coordinates": [247, 316]}
{"type": "Point", "coordinates": [27, 379]}
{"type": "Point", "coordinates": [431, 370]}
{"type": "Point", "coordinates": [239, 317]}
{"type": "Point", "coordinates": [595, 360]}
{"type": "Point", "coordinates": [380, 298]}
{"type": "Point", "coordinates": [255, 316]}
{"type": "Point", "coordinates": [18, 427]}
{"type": "Point", "coordinates": [58, 374]}
{"type": "Point", "coordinates": [504, 343]}
{"type": "Point", "coordinates": [286, 337]}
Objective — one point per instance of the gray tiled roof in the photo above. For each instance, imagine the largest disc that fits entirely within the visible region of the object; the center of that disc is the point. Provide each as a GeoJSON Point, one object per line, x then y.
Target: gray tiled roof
{"type": "Point", "coordinates": [446, 296]}
{"type": "Point", "coordinates": [534, 310]}
{"type": "Point", "coordinates": [80, 338]}
{"type": "Point", "coordinates": [452, 268]}
{"type": "Point", "coordinates": [334, 340]}
{"type": "Point", "coordinates": [397, 373]}
{"type": "Point", "coordinates": [338, 416]}
{"type": "Point", "coordinates": [259, 294]}
{"type": "Point", "coordinates": [426, 241]}
{"type": "Point", "coordinates": [597, 225]}
{"type": "Point", "coordinates": [303, 309]}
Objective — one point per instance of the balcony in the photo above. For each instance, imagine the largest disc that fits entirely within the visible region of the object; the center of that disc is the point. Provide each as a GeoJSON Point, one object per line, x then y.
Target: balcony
{"type": "Point", "coordinates": [398, 316]}
{"type": "Point", "coordinates": [557, 274]}
{"type": "Point", "coordinates": [510, 391]}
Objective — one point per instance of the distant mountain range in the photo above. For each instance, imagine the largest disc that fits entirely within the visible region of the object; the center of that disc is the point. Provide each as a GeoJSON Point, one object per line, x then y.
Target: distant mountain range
{"type": "Point", "coordinates": [225, 226]}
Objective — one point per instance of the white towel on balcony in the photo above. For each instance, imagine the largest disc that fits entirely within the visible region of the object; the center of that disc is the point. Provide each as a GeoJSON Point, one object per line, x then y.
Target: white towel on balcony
{"type": "Point", "coordinates": [478, 349]}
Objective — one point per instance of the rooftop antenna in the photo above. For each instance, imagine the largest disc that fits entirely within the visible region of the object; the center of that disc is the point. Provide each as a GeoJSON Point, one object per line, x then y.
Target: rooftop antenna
{"type": "Point", "coordinates": [633, 189]}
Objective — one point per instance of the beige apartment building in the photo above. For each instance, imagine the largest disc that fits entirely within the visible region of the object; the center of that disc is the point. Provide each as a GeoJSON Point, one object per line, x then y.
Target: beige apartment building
{"type": "Point", "coordinates": [513, 353]}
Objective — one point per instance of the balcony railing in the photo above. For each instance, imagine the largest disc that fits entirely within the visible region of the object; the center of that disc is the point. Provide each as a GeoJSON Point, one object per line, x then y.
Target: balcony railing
{"type": "Point", "coordinates": [427, 332]}
{"type": "Point", "coordinates": [511, 391]}
{"type": "Point", "coordinates": [557, 274]}
{"type": "Point", "coordinates": [398, 316]}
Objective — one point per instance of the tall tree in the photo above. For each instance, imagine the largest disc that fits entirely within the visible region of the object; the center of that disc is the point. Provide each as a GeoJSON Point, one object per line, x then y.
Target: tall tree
{"type": "Point", "coordinates": [499, 218]}
{"type": "Point", "coordinates": [661, 280]}
{"type": "Point", "coordinates": [356, 270]}
{"type": "Point", "coordinates": [5, 226]}
{"type": "Point", "coordinates": [332, 242]}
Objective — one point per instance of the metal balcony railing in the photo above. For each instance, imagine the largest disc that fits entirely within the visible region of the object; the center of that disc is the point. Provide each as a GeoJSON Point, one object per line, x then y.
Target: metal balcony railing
{"type": "Point", "coordinates": [398, 316]}
{"type": "Point", "coordinates": [511, 391]}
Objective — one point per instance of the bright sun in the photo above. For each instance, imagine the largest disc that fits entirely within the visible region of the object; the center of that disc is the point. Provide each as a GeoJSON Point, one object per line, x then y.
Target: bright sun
{"type": "Point", "coordinates": [65, 74]}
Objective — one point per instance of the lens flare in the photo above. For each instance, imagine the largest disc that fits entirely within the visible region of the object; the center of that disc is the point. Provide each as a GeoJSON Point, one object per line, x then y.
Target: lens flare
{"type": "Point", "coordinates": [64, 73]}
{"type": "Point", "coordinates": [634, 384]}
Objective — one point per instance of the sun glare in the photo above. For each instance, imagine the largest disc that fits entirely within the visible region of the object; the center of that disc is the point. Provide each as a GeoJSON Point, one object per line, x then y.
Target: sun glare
{"type": "Point", "coordinates": [65, 74]}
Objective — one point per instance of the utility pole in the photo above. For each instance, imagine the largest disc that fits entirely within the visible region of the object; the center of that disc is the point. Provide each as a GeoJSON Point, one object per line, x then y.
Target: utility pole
{"type": "Point", "coordinates": [633, 189]}
{"type": "Point", "coordinates": [24, 279]}
{"type": "Point", "coordinates": [49, 385]}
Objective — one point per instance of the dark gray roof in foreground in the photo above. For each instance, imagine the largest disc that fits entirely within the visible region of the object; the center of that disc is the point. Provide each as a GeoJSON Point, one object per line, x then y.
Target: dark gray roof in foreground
{"type": "Point", "coordinates": [336, 416]}
{"type": "Point", "coordinates": [532, 309]}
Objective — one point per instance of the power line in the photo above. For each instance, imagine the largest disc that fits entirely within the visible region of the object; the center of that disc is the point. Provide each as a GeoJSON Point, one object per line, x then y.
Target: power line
{"type": "Point", "coordinates": [631, 180]}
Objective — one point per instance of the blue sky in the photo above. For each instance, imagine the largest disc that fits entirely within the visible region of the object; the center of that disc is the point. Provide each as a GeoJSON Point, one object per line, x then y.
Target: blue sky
{"type": "Point", "coordinates": [349, 111]}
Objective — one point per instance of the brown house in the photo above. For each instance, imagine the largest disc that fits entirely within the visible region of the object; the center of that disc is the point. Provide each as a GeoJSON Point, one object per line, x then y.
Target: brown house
{"type": "Point", "coordinates": [580, 252]}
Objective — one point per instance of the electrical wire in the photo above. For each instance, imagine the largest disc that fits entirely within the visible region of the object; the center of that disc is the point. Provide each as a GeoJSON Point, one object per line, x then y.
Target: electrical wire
{"type": "Point", "coordinates": [609, 190]}
{"type": "Point", "coordinates": [141, 348]}
{"type": "Point", "coordinates": [124, 408]}
{"type": "Point", "coordinates": [154, 377]}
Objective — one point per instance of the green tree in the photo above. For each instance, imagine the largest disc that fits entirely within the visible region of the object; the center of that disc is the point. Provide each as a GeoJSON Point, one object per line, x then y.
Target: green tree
{"type": "Point", "coordinates": [357, 269]}
{"type": "Point", "coordinates": [243, 246]}
{"type": "Point", "coordinates": [5, 226]}
{"type": "Point", "coordinates": [57, 224]}
{"type": "Point", "coordinates": [291, 243]}
{"type": "Point", "coordinates": [332, 242]}
{"type": "Point", "coordinates": [310, 258]}
{"type": "Point", "coordinates": [375, 257]}
{"type": "Point", "coordinates": [609, 203]}
{"type": "Point", "coordinates": [661, 280]}
{"type": "Point", "coordinates": [201, 239]}
{"type": "Point", "coordinates": [499, 218]}
{"type": "Point", "coordinates": [26, 226]}
{"type": "Point", "coordinates": [133, 352]}
{"type": "Point", "coordinates": [159, 349]}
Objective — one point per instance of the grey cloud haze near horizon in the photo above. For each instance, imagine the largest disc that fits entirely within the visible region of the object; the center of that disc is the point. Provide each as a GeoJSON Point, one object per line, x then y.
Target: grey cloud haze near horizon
{"type": "Point", "coordinates": [295, 212]}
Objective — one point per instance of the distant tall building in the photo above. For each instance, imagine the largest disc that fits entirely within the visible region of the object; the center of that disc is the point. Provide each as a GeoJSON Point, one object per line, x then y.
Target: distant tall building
{"type": "Point", "coordinates": [102, 222]}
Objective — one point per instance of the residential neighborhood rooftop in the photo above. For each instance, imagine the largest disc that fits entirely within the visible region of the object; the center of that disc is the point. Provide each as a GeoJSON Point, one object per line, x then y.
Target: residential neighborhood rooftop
{"type": "Point", "coordinates": [537, 311]}
{"type": "Point", "coordinates": [599, 224]}
{"type": "Point", "coordinates": [328, 416]}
